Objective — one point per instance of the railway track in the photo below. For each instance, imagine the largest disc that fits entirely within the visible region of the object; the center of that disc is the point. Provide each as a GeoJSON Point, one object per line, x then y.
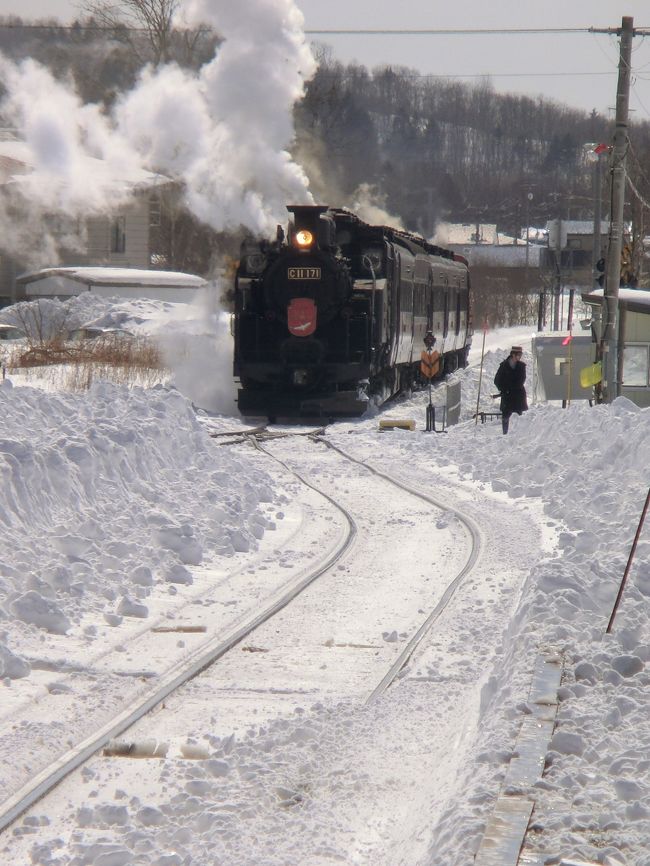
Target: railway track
{"type": "Point", "coordinates": [377, 662]}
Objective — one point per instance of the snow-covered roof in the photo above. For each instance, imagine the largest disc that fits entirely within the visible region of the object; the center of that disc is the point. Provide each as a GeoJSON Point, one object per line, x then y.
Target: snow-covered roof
{"type": "Point", "coordinates": [98, 276]}
{"type": "Point", "coordinates": [497, 256]}
{"type": "Point", "coordinates": [636, 300]}
{"type": "Point", "coordinates": [465, 233]}
{"type": "Point", "coordinates": [579, 227]}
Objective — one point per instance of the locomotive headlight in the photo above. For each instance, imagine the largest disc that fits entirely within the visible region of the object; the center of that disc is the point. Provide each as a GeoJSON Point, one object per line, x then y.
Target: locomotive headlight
{"type": "Point", "coordinates": [304, 238]}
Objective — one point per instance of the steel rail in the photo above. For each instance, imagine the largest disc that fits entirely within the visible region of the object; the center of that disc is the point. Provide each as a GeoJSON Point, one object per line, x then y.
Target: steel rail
{"type": "Point", "coordinates": [182, 673]}
{"type": "Point", "coordinates": [174, 678]}
{"type": "Point", "coordinates": [475, 535]}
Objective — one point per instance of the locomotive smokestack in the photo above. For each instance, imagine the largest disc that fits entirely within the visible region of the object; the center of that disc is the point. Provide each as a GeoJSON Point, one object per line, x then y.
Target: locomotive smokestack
{"type": "Point", "coordinates": [310, 218]}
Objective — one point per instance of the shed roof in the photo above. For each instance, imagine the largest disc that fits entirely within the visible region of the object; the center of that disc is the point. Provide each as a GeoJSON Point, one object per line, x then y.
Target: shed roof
{"type": "Point", "coordinates": [635, 300]}
{"type": "Point", "coordinates": [98, 276]}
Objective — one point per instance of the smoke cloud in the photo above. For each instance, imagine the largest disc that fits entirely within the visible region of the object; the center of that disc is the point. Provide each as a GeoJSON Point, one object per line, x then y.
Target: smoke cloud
{"type": "Point", "coordinates": [368, 204]}
{"type": "Point", "coordinates": [222, 132]}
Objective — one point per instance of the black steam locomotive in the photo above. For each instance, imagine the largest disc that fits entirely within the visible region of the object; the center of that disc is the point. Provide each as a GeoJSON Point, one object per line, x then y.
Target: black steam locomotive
{"type": "Point", "coordinates": [336, 314]}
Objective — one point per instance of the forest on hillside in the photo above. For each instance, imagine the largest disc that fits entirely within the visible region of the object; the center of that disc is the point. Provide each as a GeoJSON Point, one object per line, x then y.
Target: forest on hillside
{"type": "Point", "coordinates": [428, 148]}
{"type": "Point", "coordinates": [437, 148]}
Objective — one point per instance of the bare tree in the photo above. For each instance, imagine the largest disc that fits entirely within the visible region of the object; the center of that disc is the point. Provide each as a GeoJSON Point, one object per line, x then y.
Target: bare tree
{"type": "Point", "coordinates": [137, 22]}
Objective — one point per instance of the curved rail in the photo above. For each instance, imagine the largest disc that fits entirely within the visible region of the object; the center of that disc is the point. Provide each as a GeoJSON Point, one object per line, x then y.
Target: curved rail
{"type": "Point", "coordinates": [475, 535]}
{"type": "Point", "coordinates": [206, 656]}
{"type": "Point", "coordinates": [176, 677]}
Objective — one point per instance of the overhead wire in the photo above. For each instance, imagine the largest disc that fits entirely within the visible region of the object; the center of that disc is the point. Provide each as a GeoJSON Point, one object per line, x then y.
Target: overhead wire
{"type": "Point", "coordinates": [498, 31]}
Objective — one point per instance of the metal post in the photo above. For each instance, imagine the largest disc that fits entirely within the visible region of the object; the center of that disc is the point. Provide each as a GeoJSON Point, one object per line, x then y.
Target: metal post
{"type": "Point", "coordinates": [529, 198]}
{"type": "Point", "coordinates": [609, 338]}
{"type": "Point", "coordinates": [431, 414]}
{"type": "Point", "coordinates": [596, 250]}
{"type": "Point", "coordinates": [555, 243]}
{"type": "Point", "coordinates": [570, 312]}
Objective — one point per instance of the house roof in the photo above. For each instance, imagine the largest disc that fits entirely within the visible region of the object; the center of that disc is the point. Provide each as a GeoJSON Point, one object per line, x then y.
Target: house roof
{"type": "Point", "coordinates": [133, 277]}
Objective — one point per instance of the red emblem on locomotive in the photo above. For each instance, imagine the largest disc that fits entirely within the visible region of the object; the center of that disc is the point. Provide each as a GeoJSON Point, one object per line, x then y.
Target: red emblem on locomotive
{"type": "Point", "coordinates": [301, 317]}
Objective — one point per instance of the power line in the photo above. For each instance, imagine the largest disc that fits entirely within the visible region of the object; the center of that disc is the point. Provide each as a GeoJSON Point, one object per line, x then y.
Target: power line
{"type": "Point", "coordinates": [512, 74]}
{"type": "Point", "coordinates": [500, 31]}
{"type": "Point", "coordinates": [496, 31]}
{"type": "Point", "coordinates": [435, 75]}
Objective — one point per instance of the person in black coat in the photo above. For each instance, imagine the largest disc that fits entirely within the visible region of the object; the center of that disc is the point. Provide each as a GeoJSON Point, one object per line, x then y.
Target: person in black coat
{"type": "Point", "coordinates": [509, 380]}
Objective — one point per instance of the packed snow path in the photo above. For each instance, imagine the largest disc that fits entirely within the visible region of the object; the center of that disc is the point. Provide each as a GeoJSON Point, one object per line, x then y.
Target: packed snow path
{"type": "Point", "coordinates": [103, 496]}
{"type": "Point", "coordinates": [334, 657]}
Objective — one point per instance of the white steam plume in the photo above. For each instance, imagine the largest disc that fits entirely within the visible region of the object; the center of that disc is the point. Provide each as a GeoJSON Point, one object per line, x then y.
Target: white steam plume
{"type": "Point", "coordinates": [223, 132]}
{"type": "Point", "coordinates": [80, 162]}
{"type": "Point", "coordinates": [368, 204]}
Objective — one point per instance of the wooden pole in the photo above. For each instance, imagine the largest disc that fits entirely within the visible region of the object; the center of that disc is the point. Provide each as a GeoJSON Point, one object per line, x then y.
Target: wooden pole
{"type": "Point", "coordinates": [629, 563]}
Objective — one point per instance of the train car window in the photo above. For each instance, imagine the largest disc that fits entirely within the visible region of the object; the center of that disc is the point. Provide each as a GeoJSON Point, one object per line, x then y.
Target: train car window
{"type": "Point", "coordinates": [445, 326]}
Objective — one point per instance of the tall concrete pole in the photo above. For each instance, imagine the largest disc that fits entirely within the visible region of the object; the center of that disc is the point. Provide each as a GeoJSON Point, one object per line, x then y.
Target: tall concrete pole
{"type": "Point", "coordinates": [609, 337]}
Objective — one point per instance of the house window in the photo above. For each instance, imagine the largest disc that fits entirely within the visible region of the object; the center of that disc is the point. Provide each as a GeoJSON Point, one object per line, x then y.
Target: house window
{"type": "Point", "coordinates": [635, 366]}
{"type": "Point", "coordinates": [118, 234]}
{"type": "Point", "coordinates": [154, 211]}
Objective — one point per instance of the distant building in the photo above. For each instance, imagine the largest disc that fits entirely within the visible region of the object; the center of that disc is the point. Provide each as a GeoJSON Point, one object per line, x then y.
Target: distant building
{"type": "Point", "coordinates": [570, 247]}
{"type": "Point", "coordinates": [483, 246]}
{"type": "Point", "coordinates": [505, 271]}
{"type": "Point", "coordinates": [634, 334]}
{"type": "Point", "coordinates": [121, 239]}
{"type": "Point", "coordinates": [109, 282]}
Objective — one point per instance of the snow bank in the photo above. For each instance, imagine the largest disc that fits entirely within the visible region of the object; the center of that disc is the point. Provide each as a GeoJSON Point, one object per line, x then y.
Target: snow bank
{"type": "Point", "coordinates": [587, 466]}
{"type": "Point", "coordinates": [125, 491]}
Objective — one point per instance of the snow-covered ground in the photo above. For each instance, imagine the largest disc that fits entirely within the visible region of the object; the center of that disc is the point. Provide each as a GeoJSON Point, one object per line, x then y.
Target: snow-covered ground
{"type": "Point", "coordinates": [119, 511]}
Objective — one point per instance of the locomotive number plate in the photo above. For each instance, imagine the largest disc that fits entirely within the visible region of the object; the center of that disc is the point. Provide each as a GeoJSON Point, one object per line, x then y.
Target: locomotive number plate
{"type": "Point", "coordinates": [303, 273]}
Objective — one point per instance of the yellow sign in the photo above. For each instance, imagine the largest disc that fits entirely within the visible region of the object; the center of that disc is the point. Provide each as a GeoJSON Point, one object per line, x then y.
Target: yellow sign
{"type": "Point", "coordinates": [591, 375]}
{"type": "Point", "coordinates": [429, 364]}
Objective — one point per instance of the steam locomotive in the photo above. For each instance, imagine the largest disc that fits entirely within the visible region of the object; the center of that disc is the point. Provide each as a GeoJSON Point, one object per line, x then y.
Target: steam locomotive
{"type": "Point", "coordinates": [335, 315]}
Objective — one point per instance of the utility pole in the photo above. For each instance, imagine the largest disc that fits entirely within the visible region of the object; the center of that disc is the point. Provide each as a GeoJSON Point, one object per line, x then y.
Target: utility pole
{"type": "Point", "coordinates": [608, 346]}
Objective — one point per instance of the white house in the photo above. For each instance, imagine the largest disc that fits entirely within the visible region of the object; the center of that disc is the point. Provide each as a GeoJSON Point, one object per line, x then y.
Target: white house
{"type": "Point", "coordinates": [121, 238]}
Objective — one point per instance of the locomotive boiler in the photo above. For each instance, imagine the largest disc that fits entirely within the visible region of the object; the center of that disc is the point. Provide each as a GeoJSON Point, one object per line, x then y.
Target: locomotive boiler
{"type": "Point", "coordinates": [333, 316]}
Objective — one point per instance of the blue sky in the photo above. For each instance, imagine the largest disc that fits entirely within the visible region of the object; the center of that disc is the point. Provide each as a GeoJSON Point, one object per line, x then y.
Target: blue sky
{"type": "Point", "coordinates": [579, 69]}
